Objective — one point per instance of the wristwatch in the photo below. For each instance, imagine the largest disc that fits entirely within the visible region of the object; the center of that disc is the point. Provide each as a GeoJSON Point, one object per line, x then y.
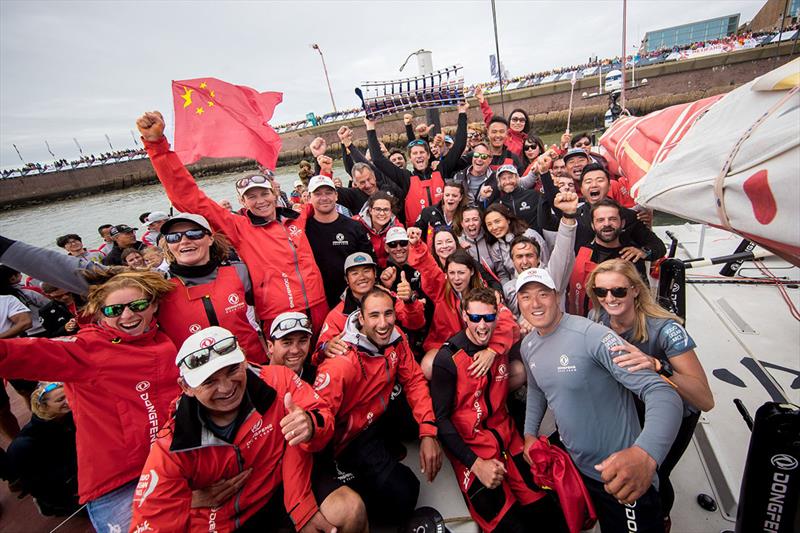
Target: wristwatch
{"type": "Point", "coordinates": [664, 367]}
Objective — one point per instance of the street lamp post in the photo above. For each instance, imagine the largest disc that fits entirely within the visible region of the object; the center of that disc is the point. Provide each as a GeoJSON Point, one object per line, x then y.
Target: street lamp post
{"type": "Point", "coordinates": [327, 79]}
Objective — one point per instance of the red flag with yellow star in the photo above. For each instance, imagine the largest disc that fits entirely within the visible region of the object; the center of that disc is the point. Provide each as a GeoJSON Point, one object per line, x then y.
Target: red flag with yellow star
{"type": "Point", "coordinates": [214, 118]}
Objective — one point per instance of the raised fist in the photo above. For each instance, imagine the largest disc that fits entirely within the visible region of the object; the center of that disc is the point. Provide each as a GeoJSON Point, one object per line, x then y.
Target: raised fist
{"type": "Point", "coordinates": [151, 126]}
{"type": "Point", "coordinates": [318, 147]}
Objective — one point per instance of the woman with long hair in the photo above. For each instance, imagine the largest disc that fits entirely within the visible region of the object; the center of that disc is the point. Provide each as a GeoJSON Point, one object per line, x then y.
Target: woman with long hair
{"type": "Point", "coordinates": [502, 226]}
{"type": "Point", "coordinates": [377, 216]}
{"type": "Point", "coordinates": [655, 340]}
{"type": "Point", "coordinates": [120, 377]}
{"type": "Point", "coordinates": [532, 148]}
{"type": "Point", "coordinates": [446, 288]}
{"type": "Point", "coordinates": [518, 123]}
{"type": "Point", "coordinates": [445, 214]}
{"type": "Point", "coordinates": [43, 456]}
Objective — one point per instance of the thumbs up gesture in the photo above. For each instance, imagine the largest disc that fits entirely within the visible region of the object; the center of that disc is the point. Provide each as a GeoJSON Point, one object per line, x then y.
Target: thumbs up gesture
{"type": "Point", "coordinates": [296, 425]}
{"type": "Point", "coordinates": [404, 287]}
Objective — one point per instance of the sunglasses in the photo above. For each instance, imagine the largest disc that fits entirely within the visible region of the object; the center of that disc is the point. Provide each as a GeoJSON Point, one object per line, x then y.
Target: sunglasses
{"type": "Point", "coordinates": [290, 323]}
{"type": "Point", "coordinates": [474, 134]}
{"type": "Point", "coordinates": [244, 182]}
{"type": "Point", "coordinates": [50, 388]}
{"type": "Point", "coordinates": [583, 144]}
{"type": "Point", "coordinates": [114, 310]}
{"type": "Point", "coordinates": [616, 292]}
{"type": "Point", "coordinates": [416, 142]}
{"type": "Point", "coordinates": [517, 119]}
{"type": "Point", "coordinates": [395, 244]}
{"type": "Point", "coordinates": [530, 146]}
{"type": "Point", "coordinates": [483, 157]}
{"type": "Point", "coordinates": [191, 234]}
{"type": "Point", "coordinates": [490, 317]}
{"type": "Point", "coordinates": [202, 356]}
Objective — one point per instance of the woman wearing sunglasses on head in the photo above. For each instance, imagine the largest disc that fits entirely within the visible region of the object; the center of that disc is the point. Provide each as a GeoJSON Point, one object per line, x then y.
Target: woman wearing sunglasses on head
{"type": "Point", "coordinates": [120, 378]}
{"type": "Point", "coordinates": [655, 341]}
{"type": "Point", "coordinates": [445, 287]}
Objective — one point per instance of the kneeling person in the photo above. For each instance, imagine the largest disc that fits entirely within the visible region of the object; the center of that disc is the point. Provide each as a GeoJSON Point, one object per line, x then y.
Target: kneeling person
{"type": "Point", "coordinates": [478, 434]}
{"type": "Point", "coordinates": [357, 387]}
{"type": "Point", "coordinates": [231, 419]}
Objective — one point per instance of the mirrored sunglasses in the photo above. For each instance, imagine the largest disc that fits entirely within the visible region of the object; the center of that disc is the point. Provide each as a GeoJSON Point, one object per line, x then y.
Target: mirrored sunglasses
{"type": "Point", "coordinates": [488, 318]}
{"type": "Point", "coordinates": [202, 356]}
{"type": "Point", "coordinates": [191, 234]}
{"type": "Point", "coordinates": [115, 310]}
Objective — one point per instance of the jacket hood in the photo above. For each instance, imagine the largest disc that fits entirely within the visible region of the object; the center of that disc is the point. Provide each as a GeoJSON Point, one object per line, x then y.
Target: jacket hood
{"type": "Point", "coordinates": [366, 220]}
{"type": "Point", "coordinates": [352, 335]}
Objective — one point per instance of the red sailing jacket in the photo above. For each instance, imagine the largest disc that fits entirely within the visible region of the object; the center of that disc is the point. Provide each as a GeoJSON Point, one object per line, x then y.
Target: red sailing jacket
{"type": "Point", "coordinates": [119, 388]}
{"type": "Point", "coordinates": [410, 315]}
{"type": "Point", "coordinates": [515, 140]}
{"type": "Point", "coordinates": [480, 417]}
{"type": "Point", "coordinates": [447, 315]}
{"type": "Point", "coordinates": [282, 267]}
{"type": "Point", "coordinates": [188, 456]}
{"type": "Point", "coordinates": [187, 310]}
{"type": "Point", "coordinates": [357, 385]}
{"type": "Point", "coordinates": [422, 194]}
{"type": "Point", "coordinates": [577, 302]}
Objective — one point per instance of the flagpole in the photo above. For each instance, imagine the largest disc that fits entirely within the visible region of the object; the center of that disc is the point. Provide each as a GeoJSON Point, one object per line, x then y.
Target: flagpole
{"type": "Point", "coordinates": [19, 154]}
{"type": "Point", "coordinates": [109, 142]}
{"type": "Point", "coordinates": [571, 92]}
{"type": "Point", "coordinates": [135, 140]}
{"type": "Point", "coordinates": [48, 148]}
{"type": "Point", "coordinates": [624, 51]}
{"type": "Point", "coordinates": [78, 145]}
{"type": "Point", "coordinates": [499, 64]}
{"type": "Point", "coordinates": [327, 79]}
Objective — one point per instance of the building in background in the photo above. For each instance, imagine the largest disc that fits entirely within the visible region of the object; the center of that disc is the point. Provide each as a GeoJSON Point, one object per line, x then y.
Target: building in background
{"type": "Point", "coordinates": [704, 30]}
{"type": "Point", "coordinates": [769, 17]}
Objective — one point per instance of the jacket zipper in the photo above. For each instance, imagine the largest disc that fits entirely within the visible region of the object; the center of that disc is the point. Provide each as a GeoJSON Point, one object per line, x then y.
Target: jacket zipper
{"type": "Point", "coordinates": [297, 266]}
{"type": "Point", "coordinates": [236, 509]}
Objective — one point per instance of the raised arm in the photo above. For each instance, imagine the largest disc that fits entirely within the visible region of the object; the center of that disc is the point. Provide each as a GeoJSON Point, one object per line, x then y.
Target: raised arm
{"type": "Point", "coordinates": [400, 176]}
{"type": "Point", "coordinates": [47, 359]}
{"type": "Point", "coordinates": [57, 268]}
{"type": "Point", "coordinates": [432, 279]}
{"type": "Point", "coordinates": [451, 161]}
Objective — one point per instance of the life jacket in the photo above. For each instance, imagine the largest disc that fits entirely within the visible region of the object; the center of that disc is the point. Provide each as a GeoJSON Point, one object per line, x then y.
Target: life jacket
{"type": "Point", "coordinates": [188, 309]}
{"type": "Point", "coordinates": [481, 418]}
{"type": "Point", "coordinates": [507, 160]}
{"type": "Point", "coordinates": [577, 302]}
{"type": "Point", "coordinates": [422, 194]}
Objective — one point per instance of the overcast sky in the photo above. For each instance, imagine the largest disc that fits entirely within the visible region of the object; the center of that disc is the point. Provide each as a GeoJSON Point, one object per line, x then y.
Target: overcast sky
{"type": "Point", "coordinates": [86, 69]}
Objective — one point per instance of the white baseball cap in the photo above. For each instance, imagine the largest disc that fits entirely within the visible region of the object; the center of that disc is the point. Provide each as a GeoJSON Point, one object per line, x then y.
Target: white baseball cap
{"type": "Point", "coordinates": [289, 322]}
{"type": "Point", "coordinates": [535, 275]}
{"type": "Point", "coordinates": [156, 216]}
{"type": "Point", "coordinates": [252, 181]}
{"type": "Point", "coordinates": [205, 352]}
{"type": "Point", "coordinates": [396, 233]}
{"type": "Point", "coordinates": [508, 168]}
{"type": "Point", "coordinates": [320, 181]}
{"type": "Point", "coordinates": [186, 217]}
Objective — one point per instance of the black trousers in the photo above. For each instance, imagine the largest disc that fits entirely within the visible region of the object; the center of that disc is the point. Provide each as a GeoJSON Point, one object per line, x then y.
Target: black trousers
{"type": "Point", "coordinates": [682, 440]}
{"type": "Point", "coordinates": [644, 516]}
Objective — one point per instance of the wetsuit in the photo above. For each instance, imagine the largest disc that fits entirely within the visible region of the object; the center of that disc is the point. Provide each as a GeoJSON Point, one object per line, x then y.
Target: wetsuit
{"type": "Point", "coordinates": [571, 370]}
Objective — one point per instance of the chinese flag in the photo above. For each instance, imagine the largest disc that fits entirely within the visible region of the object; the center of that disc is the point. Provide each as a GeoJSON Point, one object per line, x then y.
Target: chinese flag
{"type": "Point", "coordinates": [218, 119]}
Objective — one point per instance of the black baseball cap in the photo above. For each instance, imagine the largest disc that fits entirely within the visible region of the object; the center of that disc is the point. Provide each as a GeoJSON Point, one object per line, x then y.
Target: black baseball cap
{"type": "Point", "coordinates": [121, 228]}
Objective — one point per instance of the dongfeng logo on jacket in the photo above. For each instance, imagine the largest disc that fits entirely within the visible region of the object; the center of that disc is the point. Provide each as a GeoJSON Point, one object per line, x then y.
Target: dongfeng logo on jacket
{"type": "Point", "coordinates": [340, 240]}
{"type": "Point", "coordinates": [563, 364]}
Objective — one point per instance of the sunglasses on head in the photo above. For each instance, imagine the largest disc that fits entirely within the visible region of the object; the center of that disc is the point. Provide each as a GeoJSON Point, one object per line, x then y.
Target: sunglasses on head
{"type": "Point", "coordinates": [416, 142]}
{"type": "Point", "coordinates": [483, 157]}
{"type": "Point", "coordinates": [490, 317]}
{"type": "Point", "coordinates": [244, 182]}
{"type": "Point", "coordinates": [202, 356]}
{"type": "Point", "coordinates": [191, 234]}
{"type": "Point", "coordinates": [289, 324]}
{"type": "Point", "coordinates": [49, 388]}
{"type": "Point", "coordinates": [114, 310]}
{"type": "Point", "coordinates": [395, 244]}
{"type": "Point", "coordinates": [616, 292]}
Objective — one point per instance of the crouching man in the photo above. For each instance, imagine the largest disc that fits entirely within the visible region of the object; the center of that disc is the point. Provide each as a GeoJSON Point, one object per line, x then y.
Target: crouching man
{"type": "Point", "coordinates": [234, 420]}
{"type": "Point", "coordinates": [357, 386]}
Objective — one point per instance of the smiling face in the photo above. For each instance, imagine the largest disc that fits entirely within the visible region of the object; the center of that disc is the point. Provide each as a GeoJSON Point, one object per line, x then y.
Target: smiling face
{"type": "Point", "coordinates": [594, 186]}
{"type": "Point", "coordinates": [419, 157]}
{"type": "Point", "coordinates": [564, 183]}
{"type": "Point", "coordinates": [479, 165]}
{"type": "Point", "coordinates": [574, 166]}
{"type": "Point", "coordinates": [324, 199]}
{"type": "Point", "coordinates": [496, 224]}
{"type": "Point", "coordinates": [130, 322]}
{"type": "Point", "coordinates": [380, 213]}
{"type": "Point", "coordinates": [360, 279]}
{"type": "Point", "coordinates": [471, 222]}
{"type": "Point", "coordinates": [517, 121]}
{"type": "Point", "coordinates": [473, 137]}
{"type": "Point", "coordinates": [290, 350]}
{"type": "Point", "coordinates": [188, 252]}
{"type": "Point", "coordinates": [531, 151]}
{"type": "Point", "coordinates": [222, 393]}
{"type": "Point", "coordinates": [364, 180]}
{"type": "Point", "coordinates": [377, 318]}
{"type": "Point", "coordinates": [135, 260]}
{"type": "Point", "coordinates": [539, 306]}
{"type": "Point", "coordinates": [459, 275]}
{"type": "Point", "coordinates": [451, 198]}
{"type": "Point", "coordinates": [444, 245]}
{"type": "Point", "coordinates": [607, 225]}
{"type": "Point", "coordinates": [508, 181]}
{"type": "Point", "coordinates": [55, 403]}
{"type": "Point", "coordinates": [524, 256]}
{"type": "Point", "coordinates": [73, 246]}
{"type": "Point", "coordinates": [614, 306]}
{"type": "Point", "coordinates": [398, 160]}
{"type": "Point", "coordinates": [559, 169]}
{"type": "Point", "coordinates": [399, 253]}
{"type": "Point", "coordinates": [260, 201]}
{"type": "Point", "coordinates": [479, 332]}
{"type": "Point", "coordinates": [498, 132]}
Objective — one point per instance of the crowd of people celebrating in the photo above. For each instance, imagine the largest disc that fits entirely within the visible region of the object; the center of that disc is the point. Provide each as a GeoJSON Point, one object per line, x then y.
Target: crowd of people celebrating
{"type": "Point", "coordinates": [83, 161]}
{"type": "Point", "coordinates": [267, 367]}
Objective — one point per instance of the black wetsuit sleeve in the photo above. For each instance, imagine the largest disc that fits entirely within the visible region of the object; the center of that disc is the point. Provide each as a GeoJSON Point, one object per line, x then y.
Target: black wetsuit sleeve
{"type": "Point", "coordinates": [400, 176]}
{"type": "Point", "coordinates": [410, 133]}
{"type": "Point", "coordinates": [351, 198]}
{"type": "Point", "coordinates": [545, 216]}
{"type": "Point", "coordinates": [449, 164]}
{"type": "Point", "coordinates": [443, 394]}
{"type": "Point", "coordinates": [548, 187]}
{"type": "Point", "coordinates": [423, 221]}
{"type": "Point", "coordinates": [347, 159]}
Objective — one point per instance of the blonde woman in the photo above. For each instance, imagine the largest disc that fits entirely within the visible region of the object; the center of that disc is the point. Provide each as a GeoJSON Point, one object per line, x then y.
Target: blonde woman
{"type": "Point", "coordinates": [655, 340]}
{"type": "Point", "coordinates": [120, 377]}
